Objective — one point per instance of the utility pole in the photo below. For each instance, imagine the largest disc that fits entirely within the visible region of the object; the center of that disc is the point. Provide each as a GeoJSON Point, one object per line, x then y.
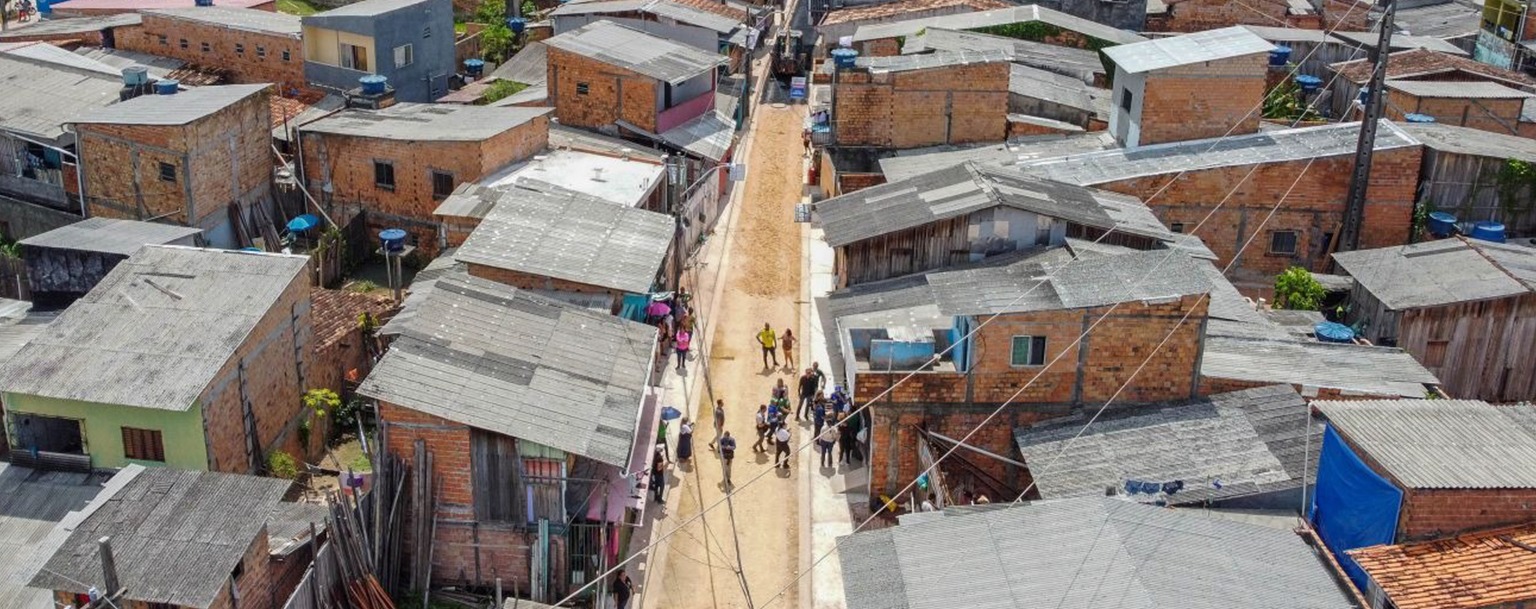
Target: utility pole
{"type": "Point", "coordinates": [1360, 180]}
{"type": "Point", "coordinates": [674, 207]}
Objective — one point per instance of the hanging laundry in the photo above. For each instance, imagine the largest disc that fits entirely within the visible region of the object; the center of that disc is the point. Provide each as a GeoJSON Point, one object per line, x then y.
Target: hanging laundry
{"type": "Point", "coordinates": [1170, 488]}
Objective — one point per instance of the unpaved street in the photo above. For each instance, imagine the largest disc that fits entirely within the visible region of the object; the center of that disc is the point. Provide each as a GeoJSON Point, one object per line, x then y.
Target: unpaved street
{"type": "Point", "coordinates": [762, 273]}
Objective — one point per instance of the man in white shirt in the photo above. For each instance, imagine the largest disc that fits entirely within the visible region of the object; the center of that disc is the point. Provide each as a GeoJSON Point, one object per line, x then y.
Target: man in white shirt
{"type": "Point", "coordinates": [781, 446]}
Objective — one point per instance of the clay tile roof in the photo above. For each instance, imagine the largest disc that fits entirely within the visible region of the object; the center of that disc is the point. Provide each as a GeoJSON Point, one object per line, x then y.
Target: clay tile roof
{"type": "Point", "coordinates": [1472, 570]}
{"type": "Point", "coordinates": [334, 312]}
{"type": "Point", "coordinates": [892, 10]}
{"type": "Point", "coordinates": [1423, 62]}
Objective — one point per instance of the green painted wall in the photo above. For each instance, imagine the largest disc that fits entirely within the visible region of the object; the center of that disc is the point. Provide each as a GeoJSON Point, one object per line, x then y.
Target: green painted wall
{"type": "Point", "coordinates": [182, 432]}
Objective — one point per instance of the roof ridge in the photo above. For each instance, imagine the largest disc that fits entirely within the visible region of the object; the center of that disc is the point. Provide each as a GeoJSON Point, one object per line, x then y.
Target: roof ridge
{"type": "Point", "coordinates": [1496, 264]}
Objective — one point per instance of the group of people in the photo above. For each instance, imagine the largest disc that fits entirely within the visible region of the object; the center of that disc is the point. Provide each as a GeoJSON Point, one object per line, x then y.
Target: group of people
{"type": "Point", "coordinates": [675, 325]}
{"type": "Point", "coordinates": [775, 343]}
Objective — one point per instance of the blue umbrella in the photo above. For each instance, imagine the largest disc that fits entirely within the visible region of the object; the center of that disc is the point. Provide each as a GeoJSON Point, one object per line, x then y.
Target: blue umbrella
{"type": "Point", "coordinates": [303, 223]}
{"type": "Point", "coordinates": [669, 413]}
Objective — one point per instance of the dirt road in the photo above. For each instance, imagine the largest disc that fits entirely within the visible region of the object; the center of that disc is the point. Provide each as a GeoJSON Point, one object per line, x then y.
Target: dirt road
{"type": "Point", "coordinates": [762, 274]}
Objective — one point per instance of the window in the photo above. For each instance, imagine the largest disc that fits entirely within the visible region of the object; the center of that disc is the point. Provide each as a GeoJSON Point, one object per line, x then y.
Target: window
{"type": "Point", "coordinates": [353, 57]}
{"type": "Point", "coordinates": [493, 468]}
{"type": "Point", "coordinates": [261, 51]}
{"type": "Point", "coordinates": [206, 48]}
{"type": "Point", "coordinates": [167, 172]}
{"type": "Point", "coordinates": [403, 56]}
{"type": "Point", "coordinates": [1125, 100]}
{"type": "Point", "coordinates": [183, 43]}
{"type": "Point", "coordinates": [384, 175]}
{"type": "Point", "coordinates": [1177, 227]}
{"type": "Point", "coordinates": [442, 184]}
{"type": "Point", "coordinates": [143, 444]}
{"type": "Point", "coordinates": [163, 40]}
{"type": "Point", "coordinates": [287, 56]}
{"type": "Point", "coordinates": [581, 88]}
{"type": "Point", "coordinates": [1283, 242]}
{"type": "Point", "coordinates": [1028, 351]}
{"type": "Point", "coordinates": [239, 49]}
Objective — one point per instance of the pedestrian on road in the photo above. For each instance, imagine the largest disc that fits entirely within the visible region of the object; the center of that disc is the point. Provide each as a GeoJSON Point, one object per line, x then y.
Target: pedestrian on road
{"type": "Point", "coordinates": [685, 441]}
{"type": "Point", "coordinates": [770, 344]}
{"type": "Point", "coordinates": [808, 392]}
{"type": "Point", "coordinates": [819, 413]}
{"type": "Point", "coordinates": [840, 402]}
{"type": "Point", "coordinates": [687, 323]}
{"type": "Point", "coordinates": [781, 391]}
{"type": "Point", "coordinates": [825, 440]}
{"type": "Point", "coordinates": [787, 344]}
{"type": "Point", "coordinates": [727, 453]}
{"type": "Point", "coordinates": [683, 342]}
{"type": "Point", "coordinates": [659, 477]}
{"type": "Point", "coordinates": [762, 428]}
{"type": "Point", "coordinates": [719, 422]}
{"type": "Point", "coordinates": [661, 440]}
{"type": "Point", "coordinates": [622, 589]}
{"type": "Point", "coordinates": [781, 446]}
{"type": "Point", "coordinates": [821, 377]}
{"type": "Point", "coordinates": [845, 441]}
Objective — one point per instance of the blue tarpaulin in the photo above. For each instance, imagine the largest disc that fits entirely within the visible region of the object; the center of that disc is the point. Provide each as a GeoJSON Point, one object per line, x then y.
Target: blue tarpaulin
{"type": "Point", "coordinates": [1353, 506]}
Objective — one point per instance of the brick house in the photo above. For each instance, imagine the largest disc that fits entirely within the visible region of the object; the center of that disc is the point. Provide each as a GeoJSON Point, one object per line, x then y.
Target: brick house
{"type": "Point", "coordinates": [911, 101]}
{"type": "Point", "coordinates": [606, 76]}
{"type": "Point", "coordinates": [533, 411]}
{"type": "Point", "coordinates": [191, 358]}
{"type": "Point", "coordinates": [1188, 87]}
{"type": "Point", "coordinates": [1290, 186]}
{"type": "Point", "coordinates": [39, 168]}
{"type": "Point", "coordinates": [1082, 64]}
{"type": "Point", "coordinates": [1464, 308]}
{"type": "Point", "coordinates": [904, 328]}
{"type": "Point", "coordinates": [570, 247]}
{"type": "Point", "coordinates": [94, 31]}
{"type": "Point", "coordinates": [1470, 465]}
{"type": "Point", "coordinates": [396, 165]}
{"type": "Point", "coordinates": [1042, 24]}
{"type": "Point", "coordinates": [1203, 15]}
{"type": "Point", "coordinates": [183, 159]}
{"type": "Point", "coordinates": [100, 8]}
{"type": "Point", "coordinates": [1470, 571]}
{"type": "Point", "coordinates": [967, 213]}
{"type": "Point", "coordinates": [186, 540]}
{"type": "Point", "coordinates": [409, 42]}
{"type": "Point", "coordinates": [710, 26]}
{"type": "Point", "coordinates": [65, 263]}
{"type": "Point", "coordinates": [1347, 78]}
{"type": "Point", "coordinates": [249, 45]}
{"type": "Point", "coordinates": [1485, 106]}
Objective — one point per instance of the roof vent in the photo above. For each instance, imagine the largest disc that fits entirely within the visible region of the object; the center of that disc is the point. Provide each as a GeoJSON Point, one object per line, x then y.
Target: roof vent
{"type": "Point", "coordinates": [597, 174]}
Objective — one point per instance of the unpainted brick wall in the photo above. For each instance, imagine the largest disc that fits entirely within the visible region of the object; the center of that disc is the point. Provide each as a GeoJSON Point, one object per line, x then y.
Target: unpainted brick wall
{"type": "Point", "coordinates": [1494, 115]}
{"type": "Point", "coordinates": [528, 281]}
{"type": "Point", "coordinates": [915, 108]}
{"type": "Point", "coordinates": [243, 66]}
{"type": "Point", "coordinates": [1203, 100]}
{"type": "Point", "coordinates": [1201, 15]}
{"type": "Point", "coordinates": [613, 93]}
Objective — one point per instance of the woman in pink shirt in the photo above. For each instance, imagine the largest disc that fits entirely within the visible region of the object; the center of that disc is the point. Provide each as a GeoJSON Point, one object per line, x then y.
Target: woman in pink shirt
{"type": "Point", "coordinates": [682, 341]}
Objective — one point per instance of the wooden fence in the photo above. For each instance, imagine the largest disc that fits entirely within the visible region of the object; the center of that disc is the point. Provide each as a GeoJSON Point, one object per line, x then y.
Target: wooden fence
{"type": "Point", "coordinates": [13, 279]}
{"type": "Point", "coordinates": [318, 583]}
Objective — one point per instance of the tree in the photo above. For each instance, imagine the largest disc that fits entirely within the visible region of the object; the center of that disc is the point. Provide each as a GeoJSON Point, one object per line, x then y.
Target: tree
{"type": "Point", "coordinates": [496, 40]}
{"type": "Point", "coordinates": [1297, 289]}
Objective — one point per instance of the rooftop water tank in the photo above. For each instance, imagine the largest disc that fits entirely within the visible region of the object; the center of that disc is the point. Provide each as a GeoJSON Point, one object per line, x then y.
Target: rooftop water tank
{"type": "Point", "coordinates": [1488, 231]}
{"type": "Point", "coordinates": [517, 24]}
{"type": "Point", "coordinates": [202, 2]}
{"type": "Point", "coordinates": [1279, 55]}
{"type": "Point", "coordinates": [373, 84]}
{"type": "Point", "coordinates": [135, 76]}
{"type": "Point", "coordinates": [474, 67]}
{"type": "Point", "coordinates": [1441, 224]}
{"type": "Point", "coordinates": [1333, 332]}
{"type": "Point", "coordinates": [167, 86]}
{"type": "Point", "coordinates": [1414, 117]}
{"type": "Point", "coordinates": [1309, 84]}
{"type": "Point", "coordinates": [844, 58]}
{"type": "Point", "coordinates": [393, 239]}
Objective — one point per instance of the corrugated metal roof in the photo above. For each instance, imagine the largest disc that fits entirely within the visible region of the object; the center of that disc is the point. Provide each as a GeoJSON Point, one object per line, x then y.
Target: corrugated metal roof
{"type": "Point", "coordinates": [156, 330]}
{"type": "Point", "coordinates": [110, 236]}
{"type": "Point", "coordinates": [435, 122]}
{"type": "Point", "coordinates": [1368, 40]}
{"type": "Point", "coordinates": [1279, 146]}
{"type": "Point", "coordinates": [1210, 45]}
{"type": "Point", "coordinates": [1456, 89]}
{"type": "Point", "coordinates": [1266, 355]}
{"type": "Point", "coordinates": [529, 66]}
{"type": "Point", "coordinates": [1100, 553]}
{"type": "Point", "coordinates": [501, 359]}
{"type": "Point", "coordinates": [1007, 16]}
{"type": "Point", "coordinates": [1442, 443]}
{"type": "Point", "coordinates": [17, 328]}
{"type": "Point", "coordinates": [636, 51]}
{"type": "Point", "coordinates": [561, 136]}
{"type": "Point", "coordinates": [40, 97]}
{"type": "Point", "coordinates": [572, 237]}
{"type": "Point", "coordinates": [366, 8]}
{"type": "Point", "coordinates": [1475, 142]}
{"type": "Point", "coordinates": [971, 187]}
{"type": "Point", "coordinates": [469, 200]}
{"type": "Point", "coordinates": [179, 109]}
{"type": "Point", "coordinates": [32, 503]}
{"type": "Point", "coordinates": [928, 61]}
{"type": "Point", "coordinates": [67, 28]}
{"type": "Point", "coordinates": [1436, 273]}
{"type": "Point", "coordinates": [1052, 87]}
{"type": "Point", "coordinates": [44, 52]}
{"type": "Point", "coordinates": [176, 536]}
{"type": "Point", "coordinates": [1441, 20]}
{"type": "Point", "coordinates": [709, 136]}
{"type": "Point", "coordinates": [1078, 63]}
{"type": "Point", "coordinates": [159, 67]}
{"type": "Point", "coordinates": [249, 19]}
{"type": "Point", "coordinates": [1228, 445]}
{"type": "Point", "coordinates": [914, 162]}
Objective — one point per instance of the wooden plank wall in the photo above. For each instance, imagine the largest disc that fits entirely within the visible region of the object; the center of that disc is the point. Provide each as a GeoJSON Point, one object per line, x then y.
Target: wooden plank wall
{"type": "Point", "coordinates": [931, 246]}
{"type": "Point", "coordinates": [1467, 186]}
{"type": "Point", "coordinates": [1480, 350]}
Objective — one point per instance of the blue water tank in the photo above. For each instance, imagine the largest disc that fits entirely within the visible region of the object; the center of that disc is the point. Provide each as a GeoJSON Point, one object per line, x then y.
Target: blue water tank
{"type": "Point", "coordinates": [1442, 224]}
{"type": "Point", "coordinates": [1279, 55]}
{"type": "Point", "coordinates": [135, 76]}
{"type": "Point", "coordinates": [167, 87]}
{"type": "Point", "coordinates": [844, 58]}
{"type": "Point", "coordinates": [45, 7]}
{"type": "Point", "coordinates": [393, 239]}
{"type": "Point", "coordinates": [1309, 84]}
{"type": "Point", "coordinates": [517, 24]}
{"type": "Point", "coordinates": [474, 67]}
{"type": "Point", "coordinates": [1333, 332]}
{"type": "Point", "coordinates": [1488, 231]}
{"type": "Point", "coordinates": [202, 2]}
{"type": "Point", "coordinates": [373, 84]}
{"type": "Point", "coordinates": [1414, 117]}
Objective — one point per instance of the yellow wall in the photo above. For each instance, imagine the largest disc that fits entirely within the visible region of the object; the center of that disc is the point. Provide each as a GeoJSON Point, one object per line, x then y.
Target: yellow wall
{"type": "Point", "coordinates": [320, 46]}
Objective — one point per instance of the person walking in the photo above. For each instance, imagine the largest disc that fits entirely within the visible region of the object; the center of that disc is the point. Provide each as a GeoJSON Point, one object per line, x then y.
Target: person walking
{"type": "Point", "coordinates": [719, 423]}
{"type": "Point", "coordinates": [787, 344]}
{"type": "Point", "coordinates": [681, 343]}
{"type": "Point", "coordinates": [845, 442]}
{"type": "Point", "coordinates": [622, 588]}
{"type": "Point", "coordinates": [781, 446]}
{"type": "Point", "coordinates": [770, 343]}
{"type": "Point", "coordinates": [727, 453]}
{"type": "Point", "coordinates": [819, 413]}
{"type": "Point", "coordinates": [762, 428]}
{"type": "Point", "coordinates": [821, 377]}
{"type": "Point", "coordinates": [808, 386]}
{"type": "Point", "coordinates": [781, 391]}
{"type": "Point", "coordinates": [825, 440]}
{"type": "Point", "coordinates": [685, 441]}
{"type": "Point", "coordinates": [659, 477]}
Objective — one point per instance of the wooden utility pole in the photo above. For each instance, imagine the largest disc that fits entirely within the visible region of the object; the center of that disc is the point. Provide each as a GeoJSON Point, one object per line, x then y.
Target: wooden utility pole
{"type": "Point", "coordinates": [1375, 97]}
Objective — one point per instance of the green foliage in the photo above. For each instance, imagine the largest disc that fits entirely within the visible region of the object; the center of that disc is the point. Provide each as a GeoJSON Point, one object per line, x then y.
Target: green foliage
{"type": "Point", "coordinates": [1034, 31]}
{"type": "Point", "coordinates": [1421, 218]}
{"type": "Point", "coordinates": [10, 249]}
{"type": "Point", "coordinates": [1296, 289]}
{"type": "Point", "coordinates": [321, 400]}
{"type": "Point", "coordinates": [344, 418]}
{"type": "Point", "coordinates": [305, 428]}
{"type": "Point", "coordinates": [496, 40]}
{"type": "Point", "coordinates": [282, 465]}
{"type": "Point", "coordinates": [1284, 102]}
{"type": "Point", "coordinates": [1516, 181]}
{"type": "Point", "coordinates": [530, 10]}
{"type": "Point", "coordinates": [297, 7]}
{"type": "Point", "coordinates": [368, 323]}
{"type": "Point", "coordinates": [503, 89]}
{"type": "Point", "coordinates": [362, 286]}
{"type": "Point", "coordinates": [360, 464]}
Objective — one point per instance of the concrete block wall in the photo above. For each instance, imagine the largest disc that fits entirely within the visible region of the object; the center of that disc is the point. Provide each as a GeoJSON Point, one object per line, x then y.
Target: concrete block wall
{"type": "Point", "coordinates": [260, 57]}
{"type": "Point", "coordinates": [1204, 100]}
{"type": "Point", "coordinates": [613, 93]}
{"type": "Point", "coordinates": [915, 108]}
